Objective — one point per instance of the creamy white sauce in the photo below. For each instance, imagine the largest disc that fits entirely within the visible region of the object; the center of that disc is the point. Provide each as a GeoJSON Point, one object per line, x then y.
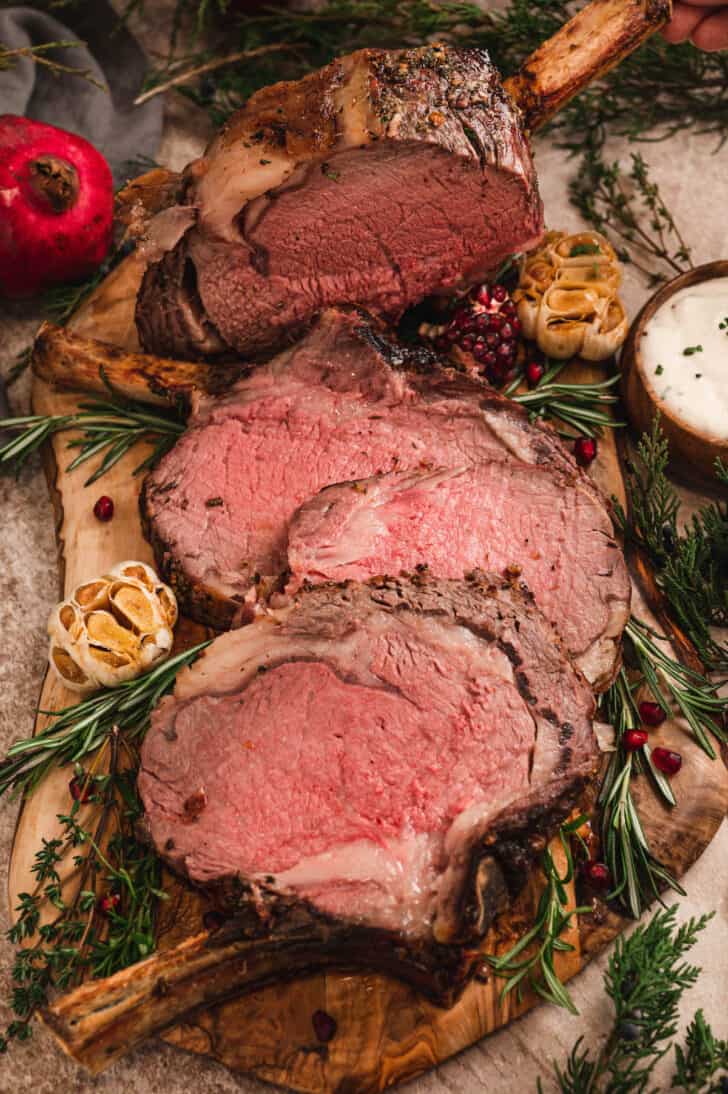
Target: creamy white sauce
{"type": "Point", "coordinates": [693, 383]}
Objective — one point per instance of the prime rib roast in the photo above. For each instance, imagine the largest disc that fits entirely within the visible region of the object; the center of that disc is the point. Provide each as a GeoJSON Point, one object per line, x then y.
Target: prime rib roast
{"type": "Point", "coordinates": [380, 179]}
{"type": "Point", "coordinates": [425, 587]}
{"type": "Point", "coordinates": [348, 402]}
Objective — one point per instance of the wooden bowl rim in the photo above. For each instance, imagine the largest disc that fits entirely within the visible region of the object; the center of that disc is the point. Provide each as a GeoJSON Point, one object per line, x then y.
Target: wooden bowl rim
{"type": "Point", "coordinates": [708, 271]}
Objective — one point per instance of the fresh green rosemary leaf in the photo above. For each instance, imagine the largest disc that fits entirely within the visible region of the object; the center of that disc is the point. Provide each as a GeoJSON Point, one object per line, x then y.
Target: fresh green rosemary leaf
{"type": "Point", "coordinates": [581, 408]}
{"type": "Point", "coordinates": [543, 940]}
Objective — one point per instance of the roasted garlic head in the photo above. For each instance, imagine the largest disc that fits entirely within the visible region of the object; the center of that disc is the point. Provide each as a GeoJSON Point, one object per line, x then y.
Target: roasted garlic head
{"type": "Point", "coordinates": [112, 628]}
{"type": "Point", "coordinates": [567, 298]}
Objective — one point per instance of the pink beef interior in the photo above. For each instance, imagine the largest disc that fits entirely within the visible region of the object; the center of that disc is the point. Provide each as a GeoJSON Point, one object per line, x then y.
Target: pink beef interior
{"type": "Point", "coordinates": [343, 791]}
{"type": "Point", "coordinates": [432, 222]}
{"type": "Point", "coordinates": [239, 480]}
{"type": "Point", "coordinates": [492, 516]}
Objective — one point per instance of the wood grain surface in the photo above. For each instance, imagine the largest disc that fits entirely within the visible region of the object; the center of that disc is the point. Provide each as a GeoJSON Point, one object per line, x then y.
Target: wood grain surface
{"type": "Point", "coordinates": [385, 1032]}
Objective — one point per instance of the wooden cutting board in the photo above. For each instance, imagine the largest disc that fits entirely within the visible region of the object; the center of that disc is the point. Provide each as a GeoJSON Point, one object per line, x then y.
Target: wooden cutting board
{"type": "Point", "coordinates": [385, 1032]}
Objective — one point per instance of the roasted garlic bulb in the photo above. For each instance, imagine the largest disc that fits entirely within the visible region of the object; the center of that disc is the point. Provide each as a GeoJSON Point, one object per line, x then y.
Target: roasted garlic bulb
{"type": "Point", "coordinates": [567, 298]}
{"type": "Point", "coordinates": [112, 628]}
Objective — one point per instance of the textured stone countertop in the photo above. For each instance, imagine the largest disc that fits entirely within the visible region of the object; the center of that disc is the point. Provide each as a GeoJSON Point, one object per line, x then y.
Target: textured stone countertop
{"type": "Point", "coordinates": [695, 183]}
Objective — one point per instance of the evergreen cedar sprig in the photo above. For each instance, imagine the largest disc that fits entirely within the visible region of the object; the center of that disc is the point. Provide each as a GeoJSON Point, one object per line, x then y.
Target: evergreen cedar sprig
{"type": "Point", "coordinates": [108, 920]}
{"type": "Point", "coordinates": [690, 566]}
{"type": "Point", "coordinates": [80, 730]}
{"type": "Point", "coordinates": [544, 939]}
{"type": "Point", "coordinates": [645, 979]}
{"type": "Point", "coordinates": [112, 426]}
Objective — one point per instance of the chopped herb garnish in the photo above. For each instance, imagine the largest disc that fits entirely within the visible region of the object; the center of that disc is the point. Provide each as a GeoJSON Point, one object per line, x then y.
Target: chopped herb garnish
{"type": "Point", "coordinates": [213, 503]}
{"type": "Point", "coordinates": [329, 172]}
{"type": "Point", "coordinates": [584, 249]}
{"type": "Point", "coordinates": [690, 350]}
{"type": "Point", "coordinates": [659, 370]}
{"type": "Point", "coordinates": [698, 375]}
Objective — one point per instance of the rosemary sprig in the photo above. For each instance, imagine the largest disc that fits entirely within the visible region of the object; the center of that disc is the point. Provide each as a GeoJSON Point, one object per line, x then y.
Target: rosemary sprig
{"type": "Point", "coordinates": [645, 979]}
{"type": "Point", "coordinates": [107, 921]}
{"type": "Point", "coordinates": [552, 919]}
{"type": "Point", "coordinates": [691, 566]}
{"type": "Point", "coordinates": [578, 407]}
{"type": "Point", "coordinates": [81, 729]}
{"type": "Point", "coordinates": [112, 425]}
{"type": "Point", "coordinates": [637, 874]}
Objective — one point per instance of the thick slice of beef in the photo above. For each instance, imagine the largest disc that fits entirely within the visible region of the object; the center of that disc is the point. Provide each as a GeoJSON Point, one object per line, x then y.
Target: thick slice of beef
{"type": "Point", "coordinates": [346, 403]}
{"type": "Point", "coordinates": [389, 753]}
{"type": "Point", "coordinates": [382, 178]}
{"type": "Point", "coordinates": [502, 516]}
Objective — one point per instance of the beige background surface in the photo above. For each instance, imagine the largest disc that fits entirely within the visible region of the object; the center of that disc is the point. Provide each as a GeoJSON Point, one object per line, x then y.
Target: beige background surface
{"type": "Point", "coordinates": [694, 180]}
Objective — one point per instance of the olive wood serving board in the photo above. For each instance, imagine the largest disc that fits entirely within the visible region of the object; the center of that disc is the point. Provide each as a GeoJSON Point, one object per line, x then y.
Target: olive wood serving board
{"type": "Point", "coordinates": [385, 1032]}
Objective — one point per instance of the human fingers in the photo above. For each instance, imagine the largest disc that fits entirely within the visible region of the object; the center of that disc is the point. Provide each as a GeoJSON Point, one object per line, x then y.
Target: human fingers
{"type": "Point", "coordinates": [711, 33]}
{"type": "Point", "coordinates": [684, 21]}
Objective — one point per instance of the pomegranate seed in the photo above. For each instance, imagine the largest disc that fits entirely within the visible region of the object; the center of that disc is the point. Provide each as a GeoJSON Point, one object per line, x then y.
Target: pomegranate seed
{"type": "Point", "coordinates": [499, 293]}
{"type": "Point", "coordinates": [516, 324]}
{"type": "Point", "coordinates": [633, 739]}
{"type": "Point", "coordinates": [507, 331]}
{"type": "Point", "coordinates": [505, 351]}
{"type": "Point", "coordinates": [585, 450]}
{"type": "Point", "coordinates": [492, 339]}
{"type": "Point", "coordinates": [490, 359]}
{"type": "Point", "coordinates": [104, 508]}
{"type": "Point", "coordinates": [212, 920]}
{"type": "Point", "coordinates": [324, 1026]}
{"type": "Point", "coordinates": [467, 342]}
{"type": "Point", "coordinates": [597, 874]}
{"type": "Point", "coordinates": [495, 322]}
{"type": "Point", "coordinates": [534, 372]}
{"type": "Point", "coordinates": [80, 789]}
{"type": "Point", "coordinates": [509, 309]}
{"type": "Point", "coordinates": [479, 350]}
{"type": "Point", "coordinates": [651, 714]}
{"type": "Point", "coordinates": [109, 903]}
{"type": "Point", "coordinates": [483, 296]}
{"type": "Point", "coordinates": [669, 763]}
{"type": "Point", "coordinates": [442, 344]}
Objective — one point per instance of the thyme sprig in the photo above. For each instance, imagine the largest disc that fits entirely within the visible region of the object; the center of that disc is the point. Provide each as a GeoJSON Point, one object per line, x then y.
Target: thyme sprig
{"type": "Point", "coordinates": [39, 54]}
{"type": "Point", "coordinates": [645, 979]}
{"type": "Point", "coordinates": [581, 407]}
{"type": "Point", "coordinates": [79, 730]}
{"type": "Point", "coordinates": [629, 208]}
{"type": "Point", "coordinates": [690, 565]}
{"type": "Point", "coordinates": [544, 939]}
{"type": "Point", "coordinates": [100, 916]}
{"type": "Point", "coordinates": [112, 426]}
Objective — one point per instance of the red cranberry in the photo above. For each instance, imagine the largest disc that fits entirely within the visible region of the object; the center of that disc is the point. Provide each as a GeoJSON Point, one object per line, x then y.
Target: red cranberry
{"type": "Point", "coordinates": [669, 763]}
{"type": "Point", "coordinates": [634, 739]}
{"type": "Point", "coordinates": [324, 1026]}
{"type": "Point", "coordinates": [585, 450]}
{"type": "Point", "coordinates": [80, 789]}
{"type": "Point", "coordinates": [534, 372]}
{"type": "Point", "coordinates": [651, 714]}
{"type": "Point", "coordinates": [597, 874]}
{"type": "Point", "coordinates": [104, 508]}
{"type": "Point", "coordinates": [109, 903]}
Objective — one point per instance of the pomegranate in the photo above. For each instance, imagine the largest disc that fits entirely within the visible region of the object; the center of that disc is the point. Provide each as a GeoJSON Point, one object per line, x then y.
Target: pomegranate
{"type": "Point", "coordinates": [651, 714]}
{"type": "Point", "coordinates": [666, 761]}
{"type": "Point", "coordinates": [104, 509]}
{"type": "Point", "coordinates": [597, 874]}
{"type": "Point", "coordinates": [57, 198]}
{"type": "Point", "coordinates": [485, 324]}
{"type": "Point", "coordinates": [585, 450]}
{"type": "Point", "coordinates": [633, 740]}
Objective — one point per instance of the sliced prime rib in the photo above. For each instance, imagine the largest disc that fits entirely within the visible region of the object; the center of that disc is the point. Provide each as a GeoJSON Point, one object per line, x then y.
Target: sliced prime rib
{"type": "Point", "coordinates": [389, 754]}
{"type": "Point", "coordinates": [346, 403]}
{"type": "Point", "coordinates": [382, 178]}
{"type": "Point", "coordinates": [503, 516]}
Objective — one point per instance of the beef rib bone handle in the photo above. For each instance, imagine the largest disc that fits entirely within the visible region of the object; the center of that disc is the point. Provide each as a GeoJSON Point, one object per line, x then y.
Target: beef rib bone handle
{"type": "Point", "coordinates": [595, 40]}
{"type": "Point", "coordinates": [103, 1020]}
